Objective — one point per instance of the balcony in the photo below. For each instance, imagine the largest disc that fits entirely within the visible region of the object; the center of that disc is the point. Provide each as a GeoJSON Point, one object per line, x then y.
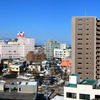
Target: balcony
{"type": "Point", "coordinates": [98, 23]}
{"type": "Point", "coordinates": [98, 28]}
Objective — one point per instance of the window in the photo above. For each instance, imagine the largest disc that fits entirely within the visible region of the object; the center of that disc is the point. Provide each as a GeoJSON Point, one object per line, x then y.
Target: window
{"type": "Point", "coordinates": [71, 95]}
{"type": "Point", "coordinates": [87, 48]}
{"type": "Point", "coordinates": [87, 43]}
{"type": "Point", "coordinates": [80, 34]}
{"type": "Point", "coordinates": [79, 28]}
{"type": "Point", "coordinates": [79, 48]}
{"type": "Point", "coordinates": [79, 72]}
{"type": "Point", "coordinates": [79, 67]}
{"type": "Point", "coordinates": [79, 43]}
{"type": "Point", "coordinates": [79, 19]}
{"type": "Point", "coordinates": [79, 24]}
{"type": "Point", "coordinates": [79, 53]}
{"type": "Point", "coordinates": [79, 58]}
{"type": "Point", "coordinates": [79, 63]}
{"type": "Point", "coordinates": [19, 89]}
{"type": "Point", "coordinates": [79, 38]}
{"type": "Point", "coordinates": [84, 96]}
{"type": "Point", "coordinates": [87, 29]}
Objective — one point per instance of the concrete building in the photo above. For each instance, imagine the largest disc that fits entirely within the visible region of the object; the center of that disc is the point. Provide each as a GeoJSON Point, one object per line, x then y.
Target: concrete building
{"type": "Point", "coordinates": [16, 48]}
{"type": "Point", "coordinates": [86, 46]}
{"type": "Point", "coordinates": [35, 57]}
{"type": "Point", "coordinates": [62, 53]}
{"type": "Point", "coordinates": [27, 87]}
{"type": "Point", "coordinates": [87, 89]}
{"type": "Point", "coordinates": [66, 63]}
{"type": "Point", "coordinates": [49, 48]}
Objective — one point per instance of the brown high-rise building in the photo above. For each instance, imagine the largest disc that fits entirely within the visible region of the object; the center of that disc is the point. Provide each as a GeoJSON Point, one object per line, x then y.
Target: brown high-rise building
{"type": "Point", "coordinates": [86, 47]}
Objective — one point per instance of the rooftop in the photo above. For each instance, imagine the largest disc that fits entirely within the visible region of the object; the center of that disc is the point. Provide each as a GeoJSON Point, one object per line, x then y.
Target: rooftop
{"type": "Point", "coordinates": [74, 74]}
{"type": "Point", "coordinates": [71, 85]}
{"type": "Point", "coordinates": [88, 82]}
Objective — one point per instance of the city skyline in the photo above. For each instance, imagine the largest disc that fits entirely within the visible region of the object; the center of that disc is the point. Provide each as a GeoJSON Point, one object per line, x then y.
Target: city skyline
{"type": "Point", "coordinates": [43, 19]}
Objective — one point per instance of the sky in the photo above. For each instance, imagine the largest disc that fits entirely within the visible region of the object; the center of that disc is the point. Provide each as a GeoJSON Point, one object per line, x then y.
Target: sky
{"type": "Point", "coordinates": [43, 19]}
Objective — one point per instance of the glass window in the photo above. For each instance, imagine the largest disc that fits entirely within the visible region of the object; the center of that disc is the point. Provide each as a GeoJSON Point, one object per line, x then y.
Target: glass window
{"type": "Point", "coordinates": [79, 19]}
{"type": "Point", "coordinates": [71, 95]}
{"type": "Point", "coordinates": [84, 96]}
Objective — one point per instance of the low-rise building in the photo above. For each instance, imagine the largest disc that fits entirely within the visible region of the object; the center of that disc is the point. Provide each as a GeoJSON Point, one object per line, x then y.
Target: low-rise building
{"type": "Point", "coordinates": [35, 66]}
{"type": "Point", "coordinates": [66, 63]}
{"type": "Point", "coordinates": [16, 68]}
{"type": "Point", "coordinates": [87, 89]}
{"type": "Point", "coordinates": [62, 53]}
{"type": "Point", "coordinates": [36, 57]}
{"type": "Point", "coordinates": [27, 87]}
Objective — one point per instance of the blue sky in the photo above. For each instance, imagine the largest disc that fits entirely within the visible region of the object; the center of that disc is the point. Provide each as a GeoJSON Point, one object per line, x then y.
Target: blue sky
{"type": "Point", "coordinates": [43, 19]}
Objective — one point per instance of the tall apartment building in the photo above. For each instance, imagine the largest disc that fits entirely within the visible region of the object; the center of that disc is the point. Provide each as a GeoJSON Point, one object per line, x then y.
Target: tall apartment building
{"type": "Point", "coordinates": [16, 48]}
{"type": "Point", "coordinates": [86, 47]}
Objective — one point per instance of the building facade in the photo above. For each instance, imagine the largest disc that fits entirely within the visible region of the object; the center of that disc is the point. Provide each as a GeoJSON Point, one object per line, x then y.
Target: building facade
{"type": "Point", "coordinates": [86, 47]}
{"type": "Point", "coordinates": [16, 48]}
{"type": "Point", "coordinates": [49, 48]}
{"type": "Point", "coordinates": [87, 89]}
{"type": "Point", "coordinates": [62, 53]}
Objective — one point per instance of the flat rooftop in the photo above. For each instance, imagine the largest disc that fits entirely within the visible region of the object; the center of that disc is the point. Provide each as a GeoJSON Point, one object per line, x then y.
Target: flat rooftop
{"type": "Point", "coordinates": [88, 82]}
{"type": "Point", "coordinates": [71, 85]}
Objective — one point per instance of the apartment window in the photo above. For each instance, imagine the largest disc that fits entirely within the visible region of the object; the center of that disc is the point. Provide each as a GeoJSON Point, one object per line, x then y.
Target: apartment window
{"type": "Point", "coordinates": [87, 53]}
{"type": "Point", "coordinates": [84, 96]}
{"type": "Point", "coordinates": [87, 29]}
{"type": "Point", "coordinates": [79, 19]}
{"type": "Point", "coordinates": [79, 48]}
{"type": "Point", "coordinates": [87, 34]}
{"type": "Point", "coordinates": [79, 67]}
{"type": "Point", "coordinates": [87, 43]}
{"type": "Point", "coordinates": [79, 28]}
{"type": "Point", "coordinates": [79, 63]}
{"type": "Point", "coordinates": [71, 95]}
{"type": "Point", "coordinates": [79, 53]}
{"type": "Point", "coordinates": [87, 39]}
{"type": "Point", "coordinates": [79, 38]}
{"type": "Point", "coordinates": [79, 58]}
{"type": "Point", "coordinates": [80, 34]}
{"type": "Point", "coordinates": [79, 72]}
{"type": "Point", "coordinates": [79, 24]}
{"type": "Point", "coordinates": [79, 43]}
{"type": "Point", "coordinates": [87, 48]}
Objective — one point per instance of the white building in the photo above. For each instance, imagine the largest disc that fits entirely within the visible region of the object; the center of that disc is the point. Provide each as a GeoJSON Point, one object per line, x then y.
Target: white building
{"type": "Point", "coordinates": [16, 48]}
{"type": "Point", "coordinates": [62, 53]}
{"type": "Point", "coordinates": [87, 89]}
{"type": "Point", "coordinates": [27, 87]}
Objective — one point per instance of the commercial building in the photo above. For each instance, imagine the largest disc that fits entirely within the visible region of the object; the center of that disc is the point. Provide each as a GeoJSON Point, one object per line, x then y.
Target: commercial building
{"type": "Point", "coordinates": [16, 48]}
{"type": "Point", "coordinates": [62, 53]}
{"type": "Point", "coordinates": [35, 57]}
{"type": "Point", "coordinates": [86, 46]}
{"type": "Point", "coordinates": [49, 48]}
{"type": "Point", "coordinates": [87, 89]}
{"type": "Point", "coordinates": [67, 64]}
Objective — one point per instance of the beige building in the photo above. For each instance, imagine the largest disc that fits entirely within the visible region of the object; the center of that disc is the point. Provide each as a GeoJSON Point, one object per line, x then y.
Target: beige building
{"type": "Point", "coordinates": [86, 46]}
